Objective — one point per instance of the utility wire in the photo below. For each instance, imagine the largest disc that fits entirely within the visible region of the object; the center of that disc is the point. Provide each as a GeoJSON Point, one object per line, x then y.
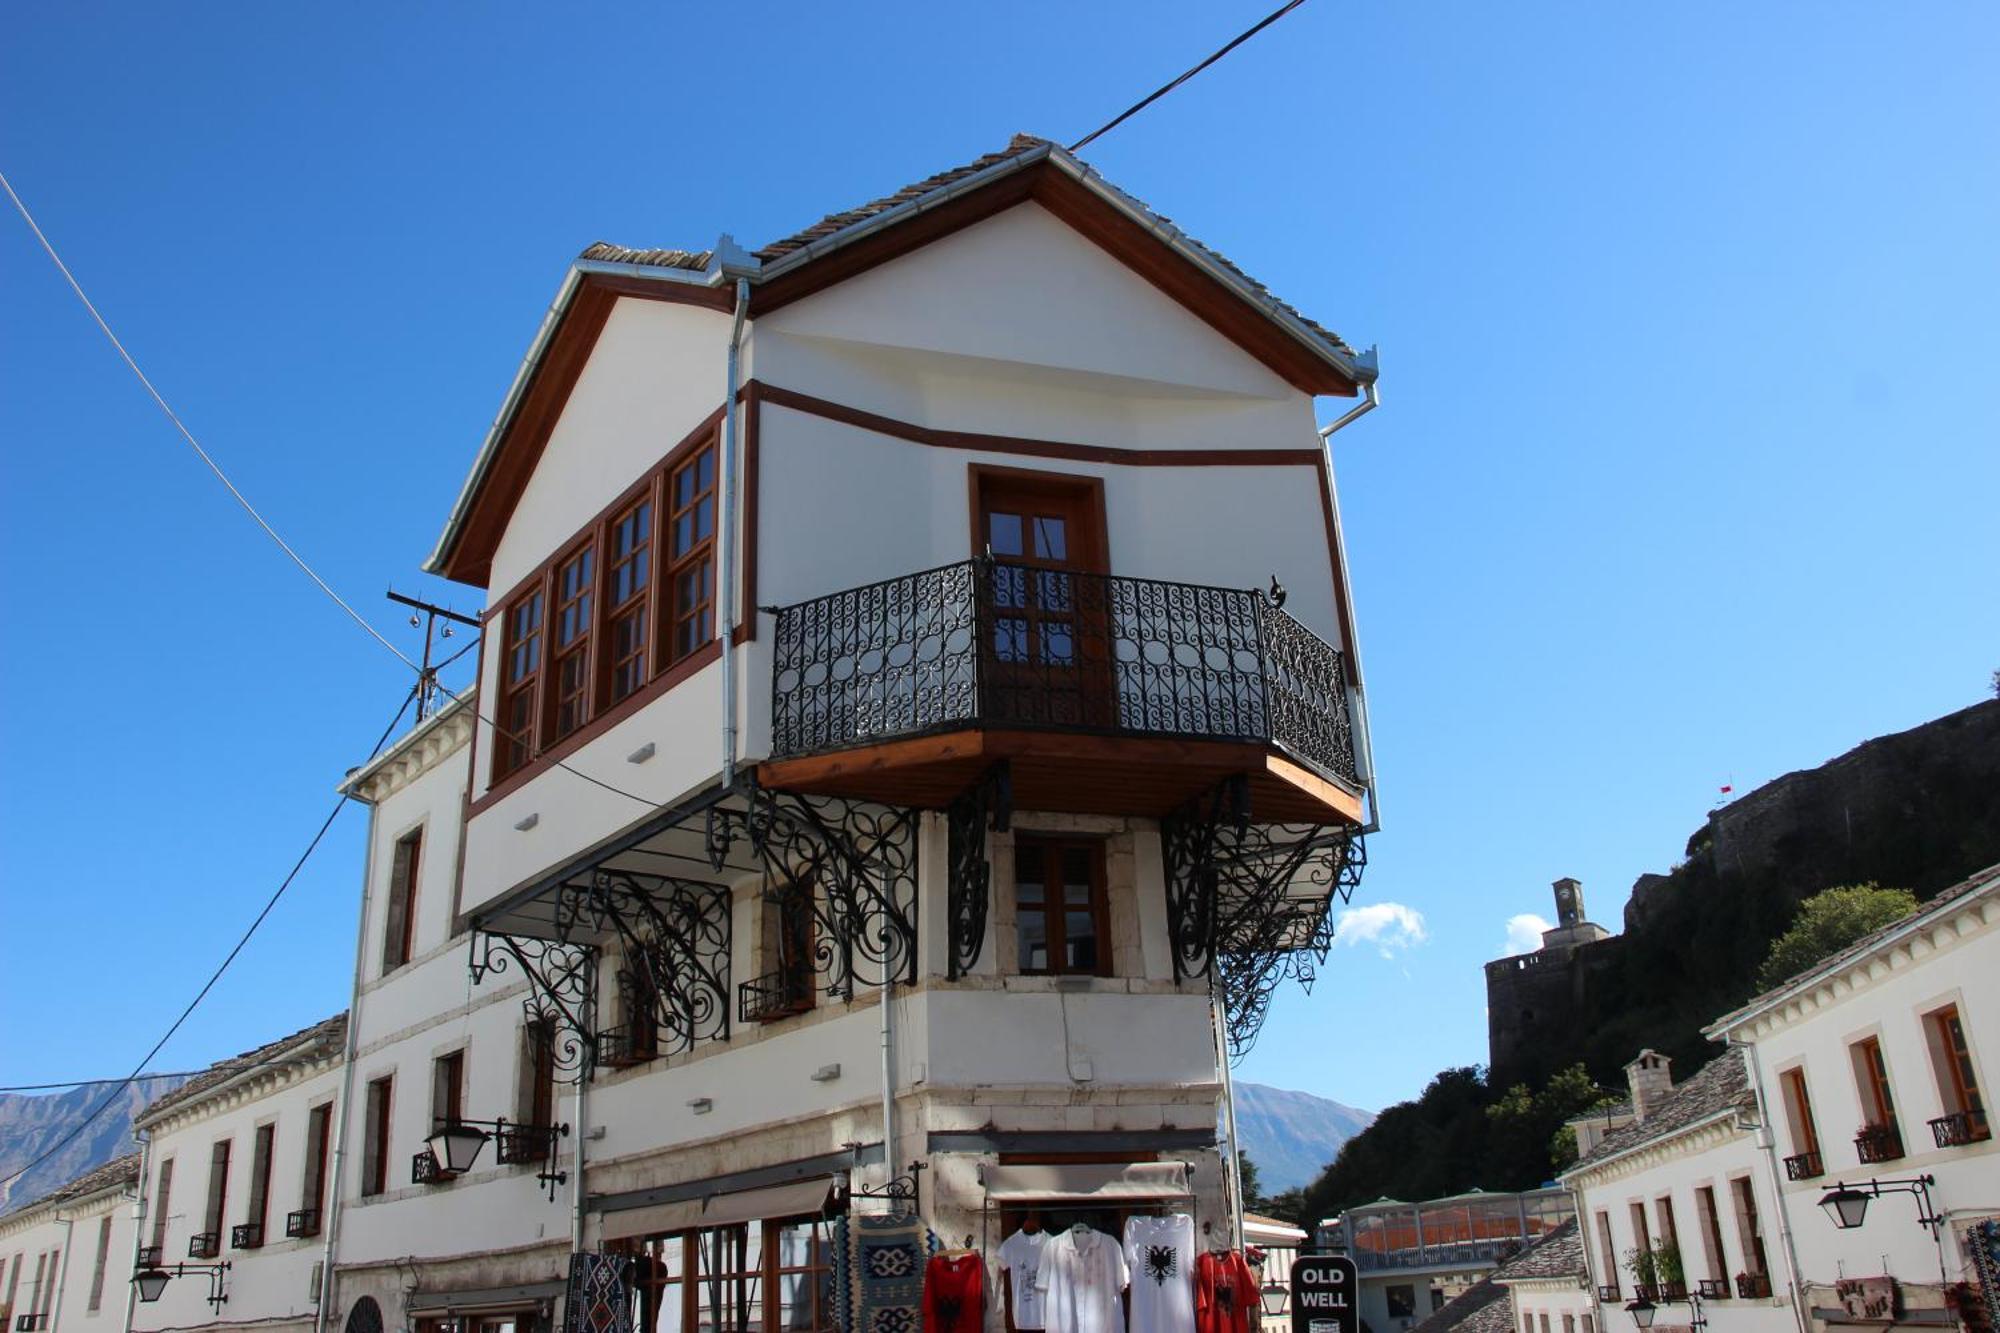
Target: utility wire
{"type": "Point", "coordinates": [188, 435]}
{"type": "Point", "coordinates": [1155, 96]}
{"type": "Point", "coordinates": [233, 1067]}
{"type": "Point", "coordinates": [216, 976]}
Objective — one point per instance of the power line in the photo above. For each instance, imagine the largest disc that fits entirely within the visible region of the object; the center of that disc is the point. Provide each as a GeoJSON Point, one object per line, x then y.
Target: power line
{"type": "Point", "coordinates": [188, 435]}
{"type": "Point", "coordinates": [298, 865]}
{"type": "Point", "coordinates": [1156, 95]}
{"type": "Point", "coordinates": [233, 1067]}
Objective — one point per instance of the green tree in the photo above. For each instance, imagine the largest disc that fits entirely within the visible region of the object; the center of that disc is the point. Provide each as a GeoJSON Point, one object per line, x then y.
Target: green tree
{"type": "Point", "coordinates": [1532, 1139]}
{"type": "Point", "coordinates": [1828, 922]}
{"type": "Point", "coordinates": [1247, 1169]}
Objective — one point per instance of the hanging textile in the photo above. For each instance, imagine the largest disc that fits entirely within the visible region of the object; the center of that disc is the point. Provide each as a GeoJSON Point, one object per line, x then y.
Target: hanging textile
{"type": "Point", "coordinates": [1225, 1293]}
{"type": "Point", "coordinates": [1160, 1253]}
{"type": "Point", "coordinates": [599, 1300]}
{"type": "Point", "coordinates": [955, 1294]}
{"type": "Point", "coordinates": [879, 1272]}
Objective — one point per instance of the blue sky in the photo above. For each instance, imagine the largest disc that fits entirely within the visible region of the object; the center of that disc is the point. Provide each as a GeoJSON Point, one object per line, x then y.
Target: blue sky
{"type": "Point", "coordinates": [1685, 473]}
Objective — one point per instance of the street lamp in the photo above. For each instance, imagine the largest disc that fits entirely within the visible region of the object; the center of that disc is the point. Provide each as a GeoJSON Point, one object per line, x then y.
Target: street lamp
{"type": "Point", "coordinates": [152, 1282]}
{"type": "Point", "coordinates": [1277, 1298]}
{"type": "Point", "coordinates": [1642, 1312]}
{"type": "Point", "coordinates": [456, 1145]}
{"type": "Point", "coordinates": [1847, 1205]}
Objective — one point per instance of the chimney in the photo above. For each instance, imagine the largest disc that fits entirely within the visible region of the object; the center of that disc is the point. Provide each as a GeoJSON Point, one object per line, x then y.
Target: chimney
{"type": "Point", "coordinates": [1650, 1077]}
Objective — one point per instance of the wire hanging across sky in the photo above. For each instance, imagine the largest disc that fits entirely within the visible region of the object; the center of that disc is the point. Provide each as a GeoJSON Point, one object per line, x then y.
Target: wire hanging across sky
{"type": "Point", "coordinates": [1162, 91]}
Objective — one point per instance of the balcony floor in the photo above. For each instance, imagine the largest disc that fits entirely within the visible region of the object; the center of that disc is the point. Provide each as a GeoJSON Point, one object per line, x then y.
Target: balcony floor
{"type": "Point", "coordinates": [1084, 774]}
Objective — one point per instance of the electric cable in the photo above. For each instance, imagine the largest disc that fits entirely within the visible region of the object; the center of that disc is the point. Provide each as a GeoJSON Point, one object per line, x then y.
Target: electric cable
{"type": "Point", "coordinates": [104, 1082]}
{"type": "Point", "coordinates": [188, 435]}
{"type": "Point", "coordinates": [216, 976]}
{"type": "Point", "coordinates": [1157, 94]}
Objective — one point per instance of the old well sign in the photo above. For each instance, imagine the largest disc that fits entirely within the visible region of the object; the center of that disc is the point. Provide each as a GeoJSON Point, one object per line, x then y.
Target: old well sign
{"type": "Point", "coordinates": [1324, 1295]}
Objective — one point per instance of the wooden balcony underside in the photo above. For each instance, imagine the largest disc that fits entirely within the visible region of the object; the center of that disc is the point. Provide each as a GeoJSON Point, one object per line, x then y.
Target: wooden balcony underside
{"type": "Point", "coordinates": [1085, 774]}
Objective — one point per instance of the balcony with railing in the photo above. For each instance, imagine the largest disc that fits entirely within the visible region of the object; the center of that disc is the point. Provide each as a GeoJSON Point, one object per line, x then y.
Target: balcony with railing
{"type": "Point", "coordinates": [1106, 694]}
{"type": "Point", "coordinates": [626, 1046]}
{"type": "Point", "coordinates": [149, 1257]}
{"type": "Point", "coordinates": [31, 1323]}
{"type": "Point", "coordinates": [775, 995]}
{"type": "Point", "coordinates": [524, 1145]}
{"type": "Point", "coordinates": [1961, 1128]}
{"type": "Point", "coordinates": [1879, 1143]}
{"type": "Point", "coordinates": [1804, 1166]}
{"type": "Point", "coordinates": [425, 1169]}
{"type": "Point", "coordinates": [1712, 1289]}
{"type": "Point", "coordinates": [204, 1245]}
{"type": "Point", "coordinates": [1607, 1292]}
{"type": "Point", "coordinates": [302, 1223]}
{"type": "Point", "coordinates": [246, 1236]}
{"type": "Point", "coordinates": [1753, 1286]}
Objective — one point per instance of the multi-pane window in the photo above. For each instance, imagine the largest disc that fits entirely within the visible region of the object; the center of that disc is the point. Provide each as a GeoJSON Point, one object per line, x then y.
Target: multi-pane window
{"type": "Point", "coordinates": [576, 581]}
{"type": "Point", "coordinates": [1799, 1115]}
{"type": "Point", "coordinates": [632, 598]}
{"type": "Point", "coordinates": [260, 1181]}
{"type": "Point", "coordinates": [1871, 1076]}
{"type": "Point", "coordinates": [1059, 907]}
{"type": "Point", "coordinates": [375, 1144]}
{"type": "Point", "coordinates": [629, 580]}
{"type": "Point", "coordinates": [691, 555]}
{"type": "Point", "coordinates": [400, 930]}
{"type": "Point", "coordinates": [1958, 1082]}
{"type": "Point", "coordinates": [319, 1141]}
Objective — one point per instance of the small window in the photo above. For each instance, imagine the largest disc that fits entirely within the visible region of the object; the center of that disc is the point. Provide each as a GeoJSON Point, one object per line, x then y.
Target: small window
{"type": "Point", "coordinates": [319, 1140]}
{"type": "Point", "coordinates": [1749, 1227]}
{"type": "Point", "coordinates": [575, 584]}
{"type": "Point", "coordinates": [1402, 1301]}
{"type": "Point", "coordinates": [1642, 1234]}
{"type": "Point", "coordinates": [1880, 1139]}
{"type": "Point", "coordinates": [448, 1089]}
{"type": "Point", "coordinates": [520, 673]}
{"type": "Point", "coordinates": [629, 573]}
{"type": "Point", "coordinates": [1607, 1250]}
{"type": "Point", "coordinates": [1711, 1232]}
{"type": "Point", "coordinates": [103, 1261]}
{"type": "Point", "coordinates": [691, 555]}
{"type": "Point", "coordinates": [375, 1147]}
{"type": "Point", "coordinates": [400, 930]}
{"type": "Point", "coordinates": [1059, 908]}
{"type": "Point", "coordinates": [1965, 1119]}
{"type": "Point", "coordinates": [1799, 1116]}
{"type": "Point", "coordinates": [535, 1103]}
{"type": "Point", "coordinates": [788, 972]}
{"type": "Point", "coordinates": [260, 1181]}
{"type": "Point", "coordinates": [218, 1197]}
{"type": "Point", "coordinates": [161, 1197]}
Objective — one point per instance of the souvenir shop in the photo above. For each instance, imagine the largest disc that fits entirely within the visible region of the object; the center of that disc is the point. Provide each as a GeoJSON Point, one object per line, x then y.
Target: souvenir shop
{"type": "Point", "coordinates": [1066, 1247]}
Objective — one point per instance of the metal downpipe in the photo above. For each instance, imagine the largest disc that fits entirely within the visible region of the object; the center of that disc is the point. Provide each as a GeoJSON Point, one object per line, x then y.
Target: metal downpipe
{"type": "Point", "coordinates": [727, 529]}
{"type": "Point", "coordinates": [1357, 696]}
{"type": "Point", "coordinates": [330, 1188]}
{"type": "Point", "coordinates": [1768, 1142]}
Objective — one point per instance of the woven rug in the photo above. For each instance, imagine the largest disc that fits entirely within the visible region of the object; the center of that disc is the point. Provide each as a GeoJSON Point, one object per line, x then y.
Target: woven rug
{"type": "Point", "coordinates": [598, 1300]}
{"type": "Point", "coordinates": [879, 1273]}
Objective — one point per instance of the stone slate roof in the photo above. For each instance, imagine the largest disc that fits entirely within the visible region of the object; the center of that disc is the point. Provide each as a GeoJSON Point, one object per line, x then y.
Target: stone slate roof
{"type": "Point", "coordinates": [115, 1174]}
{"type": "Point", "coordinates": [1557, 1254]}
{"type": "Point", "coordinates": [1722, 1085]}
{"type": "Point", "coordinates": [1484, 1307]}
{"type": "Point", "coordinates": [1020, 145]}
{"type": "Point", "coordinates": [326, 1037]}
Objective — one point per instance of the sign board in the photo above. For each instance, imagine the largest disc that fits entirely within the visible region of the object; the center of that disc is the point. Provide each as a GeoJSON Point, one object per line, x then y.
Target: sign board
{"type": "Point", "coordinates": [1325, 1294]}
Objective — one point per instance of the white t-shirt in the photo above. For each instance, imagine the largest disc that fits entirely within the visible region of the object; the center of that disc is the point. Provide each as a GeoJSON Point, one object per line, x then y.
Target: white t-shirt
{"type": "Point", "coordinates": [1082, 1273]}
{"type": "Point", "coordinates": [1159, 1251]}
{"type": "Point", "coordinates": [1021, 1257]}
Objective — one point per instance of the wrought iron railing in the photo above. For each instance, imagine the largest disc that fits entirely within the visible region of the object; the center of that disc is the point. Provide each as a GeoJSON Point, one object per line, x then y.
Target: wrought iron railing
{"type": "Point", "coordinates": [1753, 1286]}
{"type": "Point", "coordinates": [1607, 1291]}
{"type": "Point", "coordinates": [775, 995]}
{"type": "Point", "coordinates": [204, 1245]}
{"type": "Point", "coordinates": [29, 1323]}
{"type": "Point", "coordinates": [1959, 1128]}
{"type": "Point", "coordinates": [302, 1223]}
{"type": "Point", "coordinates": [1713, 1289]}
{"type": "Point", "coordinates": [1804, 1166]}
{"type": "Point", "coordinates": [149, 1257]}
{"type": "Point", "coordinates": [425, 1169]}
{"type": "Point", "coordinates": [985, 642]}
{"type": "Point", "coordinates": [246, 1236]}
{"type": "Point", "coordinates": [623, 1047]}
{"type": "Point", "coordinates": [1879, 1143]}
{"type": "Point", "coordinates": [515, 1145]}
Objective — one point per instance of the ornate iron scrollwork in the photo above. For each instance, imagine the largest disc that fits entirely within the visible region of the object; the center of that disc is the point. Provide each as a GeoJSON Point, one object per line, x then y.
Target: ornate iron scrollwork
{"type": "Point", "coordinates": [562, 980]}
{"type": "Point", "coordinates": [969, 892]}
{"type": "Point", "coordinates": [1249, 905]}
{"type": "Point", "coordinates": [674, 938]}
{"type": "Point", "coordinates": [853, 863]}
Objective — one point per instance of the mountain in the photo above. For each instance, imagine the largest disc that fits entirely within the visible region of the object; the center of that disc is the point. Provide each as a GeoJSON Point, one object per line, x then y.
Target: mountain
{"type": "Point", "coordinates": [30, 1126]}
{"type": "Point", "coordinates": [1291, 1136]}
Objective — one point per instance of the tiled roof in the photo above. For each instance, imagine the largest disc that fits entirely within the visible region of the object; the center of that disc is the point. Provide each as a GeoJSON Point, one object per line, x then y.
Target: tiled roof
{"type": "Point", "coordinates": [1482, 1307]}
{"type": "Point", "coordinates": [1722, 1085]}
{"type": "Point", "coordinates": [115, 1174]}
{"type": "Point", "coordinates": [1978, 881]}
{"type": "Point", "coordinates": [1557, 1254]}
{"type": "Point", "coordinates": [1021, 145]}
{"type": "Point", "coordinates": [326, 1037]}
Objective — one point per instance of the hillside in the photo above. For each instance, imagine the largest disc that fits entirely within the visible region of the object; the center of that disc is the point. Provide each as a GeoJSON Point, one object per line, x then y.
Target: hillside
{"type": "Point", "coordinates": [1291, 1136]}
{"type": "Point", "coordinates": [29, 1126]}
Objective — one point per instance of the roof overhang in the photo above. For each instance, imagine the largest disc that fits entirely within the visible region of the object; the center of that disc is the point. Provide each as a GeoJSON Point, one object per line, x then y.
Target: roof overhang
{"type": "Point", "coordinates": [1302, 354]}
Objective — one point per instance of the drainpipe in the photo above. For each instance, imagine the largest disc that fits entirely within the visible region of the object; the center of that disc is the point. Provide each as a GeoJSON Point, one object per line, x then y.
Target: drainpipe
{"type": "Point", "coordinates": [1357, 696]}
{"type": "Point", "coordinates": [726, 533]}
{"type": "Point", "coordinates": [1590, 1282]}
{"type": "Point", "coordinates": [140, 1211]}
{"type": "Point", "coordinates": [330, 1188]}
{"type": "Point", "coordinates": [1767, 1141]}
{"type": "Point", "coordinates": [889, 1161]}
{"type": "Point", "coordinates": [62, 1271]}
{"type": "Point", "coordinates": [1232, 1164]}
{"type": "Point", "coordinates": [581, 1130]}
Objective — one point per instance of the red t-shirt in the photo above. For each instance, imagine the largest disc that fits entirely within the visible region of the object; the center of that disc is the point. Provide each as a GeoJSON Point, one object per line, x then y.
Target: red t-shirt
{"type": "Point", "coordinates": [954, 1294]}
{"type": "Point", "coordinates": [1225, 1293]}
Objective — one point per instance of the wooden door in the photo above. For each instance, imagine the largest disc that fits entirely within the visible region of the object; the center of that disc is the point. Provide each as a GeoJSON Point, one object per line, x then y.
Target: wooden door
{"type": "Point", "coordinates": [1046, 642]}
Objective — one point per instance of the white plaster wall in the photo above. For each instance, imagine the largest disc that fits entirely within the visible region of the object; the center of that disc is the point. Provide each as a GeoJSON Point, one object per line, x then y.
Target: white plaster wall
{"type": "Point", "coordinates": [1679, 1178]}
{"type": "Point", "coordinates": [1888, 998]}
{"type": "Point", "coordinates": [273, 1282]}
{"type": "Point", "coordinates": [435, 803]}
{"type": "Point", "coordinates": [72, 1229]}
{"type": "Point", "coordinates": [1557, 1301]}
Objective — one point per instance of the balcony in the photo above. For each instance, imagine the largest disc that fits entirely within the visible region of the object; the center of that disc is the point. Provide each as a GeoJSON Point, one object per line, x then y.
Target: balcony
{"type": "Point", "coordinates": [1753, 1286]}
{"type": "Point", "coordinates": [524, 1145]}
{"type": "Point", "coordinates": [1804, 1166]}
{"type": "Point", "coordinates": [247, 1236]}
{"type": "Point", "coordinates": [30, 1323]}
{"type": "Point", "coordinates": [426, 1170]}
{"type": "Point", "coordinates": [205, 1245]}
{"type": "Point", "coordinates": [624, 1047]}
{"type": "Point", "coordinates": [1960, 1128]}
{"type": "Point", "coordinates": [1879, 1143]}
{"type": "Point", "coordinates": [149, 1257]}
{"type": "Point", "coordinates": [1608, 1292]}
{"type": "Point", "coordinates": [1106, 694]}
{"type": "Point", "coordinates": [1713, 1289]}
{"type": "Point", "coordinates": [775, 995]}
{"type": "Point", "coordinates": [302, 1224]}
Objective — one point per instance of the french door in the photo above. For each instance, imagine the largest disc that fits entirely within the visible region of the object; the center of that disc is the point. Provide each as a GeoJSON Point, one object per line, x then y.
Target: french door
{"type": "Point", "coordinates": [1046, 642]}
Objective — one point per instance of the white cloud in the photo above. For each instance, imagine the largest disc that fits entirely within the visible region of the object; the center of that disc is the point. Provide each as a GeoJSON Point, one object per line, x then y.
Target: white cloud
{"type": "Point", "coordinates": [1524, 934]}
{"type": "Point", "coordinates": [1390, 927]}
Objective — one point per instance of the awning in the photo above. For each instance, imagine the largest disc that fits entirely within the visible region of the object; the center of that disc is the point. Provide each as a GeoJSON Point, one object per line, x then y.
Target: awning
{"type": "Point", "coordinates": [487, 1298]}
{"type": "Point", "coordinates": [1131, 1180]}
{"type": "Point", "coordinates": [796, 1199]}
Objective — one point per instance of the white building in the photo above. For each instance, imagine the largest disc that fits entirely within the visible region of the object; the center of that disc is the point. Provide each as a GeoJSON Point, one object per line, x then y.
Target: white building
{"type": "Point", "coordinates": [1412, 1260]}
{"type": "Point", "coordinates": [237, 1173]}
{"type": "Point", "coordinates": [1876, 1066]}
{"type": "Point", "coordinates": [1540, 1288]}
{"type": "Point", "coordinates": [64, 1257]}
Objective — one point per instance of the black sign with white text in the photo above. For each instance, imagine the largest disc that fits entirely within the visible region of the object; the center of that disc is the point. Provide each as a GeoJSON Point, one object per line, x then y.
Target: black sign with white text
{"type": "Point", "coordinates": [1324, 1293]}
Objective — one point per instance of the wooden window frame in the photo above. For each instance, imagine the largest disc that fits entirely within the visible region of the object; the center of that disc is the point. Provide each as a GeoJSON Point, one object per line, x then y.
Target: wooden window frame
{"type": "Point", "coordinates": [1958, 1080]}
{"type": "Point", "coordinates": [1749, 1226]}
{"type": "Point", "coordinates": [319, 1146]}
{"type": "Point", "coordinates": [379, 1104]}
{"type": "Point", "coordinates": [448, 1088]}
{"type": "Point", "coordinates": [399, 927]}
{"type": "Point", "coordinates": [643, 603]}
{"type": "Point", "coordinates": [535, 1099]}
{"type": "Point", "coordinates": [263, 1148]}
{"type": "Point", "coordinates": [517, 739]}
{"type": "Point", "coordinates": [1050, 846]}
{"type": "Point", "coordinates": [518, 750]}
{"type": "Point", "coordinates": [701, 551]}
{"type": "Point", "coordinates": [1798, 1105]}
{"type": "Point", "coordinates": [763, 1280]}
{"type": "Point", "coordinates": [1871, 1067]}
{"type": "Point", "coordinates": [215, 1215]}
{"type": "Point", "coordinates": [163, 1190]}
{"type": "Point", "coordinates": [582, 647]}
{"type": "Point", "coordinates": [96, 1300]}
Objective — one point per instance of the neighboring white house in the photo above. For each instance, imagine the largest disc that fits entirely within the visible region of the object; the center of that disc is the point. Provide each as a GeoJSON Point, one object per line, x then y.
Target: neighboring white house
{"type": "Point", "coordinates": [1279, 1243]}
{"type": "Point", "coordinates": [1878, 1065]}
{"type": "Point", "coordinates": [237, 1173]}
{"type": "Point", "coordinates": [1540, 1288]}
{"type": "Point", "coordinates": [64, 1257]}
{"type": "Point", "coordinates": [1676, 1204]}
